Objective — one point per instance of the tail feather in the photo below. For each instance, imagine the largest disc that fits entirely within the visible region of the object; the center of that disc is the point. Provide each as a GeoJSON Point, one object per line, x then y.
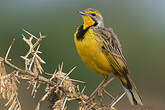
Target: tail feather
{"type": "Point", "coordinates": [131, 90]}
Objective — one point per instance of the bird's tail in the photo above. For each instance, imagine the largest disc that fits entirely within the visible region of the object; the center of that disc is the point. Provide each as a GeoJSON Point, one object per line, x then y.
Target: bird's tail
{"type": "Point", "coordinates": [131, 90]}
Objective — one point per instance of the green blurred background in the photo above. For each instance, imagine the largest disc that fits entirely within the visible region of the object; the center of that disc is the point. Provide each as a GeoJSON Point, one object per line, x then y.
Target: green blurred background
{"type": "Point", "coordinates": [139, 25]}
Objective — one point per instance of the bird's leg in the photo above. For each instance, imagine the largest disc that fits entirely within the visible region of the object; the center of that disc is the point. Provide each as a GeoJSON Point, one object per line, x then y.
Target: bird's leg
{"type": "Point", "coordinates": [102, 89]}
{"type": "Point", "coordinates": [98, 89]}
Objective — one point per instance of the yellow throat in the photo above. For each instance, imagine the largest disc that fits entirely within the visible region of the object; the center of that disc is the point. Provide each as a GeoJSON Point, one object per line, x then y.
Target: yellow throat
{"type": "Point", "coordinates": [88, 21]}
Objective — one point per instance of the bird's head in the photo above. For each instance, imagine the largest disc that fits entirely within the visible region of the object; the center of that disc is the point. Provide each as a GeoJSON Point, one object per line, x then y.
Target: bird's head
{"type": "Point", "coordinates": [91, 17]}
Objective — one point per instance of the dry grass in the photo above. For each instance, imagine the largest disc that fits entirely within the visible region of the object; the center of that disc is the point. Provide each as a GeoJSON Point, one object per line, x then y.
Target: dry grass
{"type": "Point", "coordinates": [60, 88]}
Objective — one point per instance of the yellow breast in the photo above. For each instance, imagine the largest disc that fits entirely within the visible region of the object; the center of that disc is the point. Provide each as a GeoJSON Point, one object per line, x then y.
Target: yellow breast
{"type": "Point", "coordinates": [90, 52]}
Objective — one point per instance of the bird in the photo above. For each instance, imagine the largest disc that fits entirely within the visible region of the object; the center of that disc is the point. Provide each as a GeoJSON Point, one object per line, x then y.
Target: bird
{"type": "Point", "coordinates": [100, 49]}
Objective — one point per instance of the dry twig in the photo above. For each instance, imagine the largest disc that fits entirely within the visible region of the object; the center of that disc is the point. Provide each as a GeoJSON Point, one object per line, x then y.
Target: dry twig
{"type": "Point", "coordinates": [60, 87]}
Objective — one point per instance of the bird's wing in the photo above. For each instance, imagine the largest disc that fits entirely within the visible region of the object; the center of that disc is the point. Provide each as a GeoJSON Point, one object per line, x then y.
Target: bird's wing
{"type": "Point", "coordinates": [112, 48]}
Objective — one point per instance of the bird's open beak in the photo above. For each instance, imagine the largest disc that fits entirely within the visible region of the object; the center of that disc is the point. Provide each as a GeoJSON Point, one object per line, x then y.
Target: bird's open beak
{"type": "Point", "coordinates": [83, 13]}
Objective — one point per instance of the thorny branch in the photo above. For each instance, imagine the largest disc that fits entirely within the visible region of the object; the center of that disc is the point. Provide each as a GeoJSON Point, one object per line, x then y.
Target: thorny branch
{"type": "Point", "coordinates": [60, 87]}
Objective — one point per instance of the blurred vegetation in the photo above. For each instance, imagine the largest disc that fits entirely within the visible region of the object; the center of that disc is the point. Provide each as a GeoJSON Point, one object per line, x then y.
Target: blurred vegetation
{"type": "Point", "coordinates": [139, 25]}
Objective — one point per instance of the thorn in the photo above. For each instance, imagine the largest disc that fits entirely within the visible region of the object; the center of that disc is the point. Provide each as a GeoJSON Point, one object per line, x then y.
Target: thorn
{"type": "Point", "coordinates": [60, 67]}
{"type": "Point", "coordinates": [63, 106]}
{"type": "Point", "coordinates": [78, 81]}
{"type": "Point", "coordinates": [8, 51]}
{"type": "Point", "coordinates": [62, 64]}
{"type": "Point", "coordinates": [30, 34]}
{"type": "Point", "coordinates": [67, 75]}
{"type": "Point", "coordinates": [30, 66]}
{"type": "Point", "coordinates": [83, 89]}
{"type": "Point", "coordinates": [72, 70]}
{"type": "Point", "coordinates": [117, 100]}
{"type": "Point", "coordinates": [48, 74]}
{"type": "Point", "coordinates": [55, 71]}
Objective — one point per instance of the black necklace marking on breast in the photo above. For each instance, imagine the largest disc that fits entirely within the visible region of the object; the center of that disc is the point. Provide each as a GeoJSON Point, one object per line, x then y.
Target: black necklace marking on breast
{"type": "Point", "coordinates": [81, 32]}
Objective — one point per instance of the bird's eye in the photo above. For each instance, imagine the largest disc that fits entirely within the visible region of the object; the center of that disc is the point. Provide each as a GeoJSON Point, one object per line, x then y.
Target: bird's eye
{"type": "Point", "coordinates": [93, 14]}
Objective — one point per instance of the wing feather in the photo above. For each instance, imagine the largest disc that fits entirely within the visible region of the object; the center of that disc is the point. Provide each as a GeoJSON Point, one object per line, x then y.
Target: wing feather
{"type": "Point", "coordinates": [112, 48]}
